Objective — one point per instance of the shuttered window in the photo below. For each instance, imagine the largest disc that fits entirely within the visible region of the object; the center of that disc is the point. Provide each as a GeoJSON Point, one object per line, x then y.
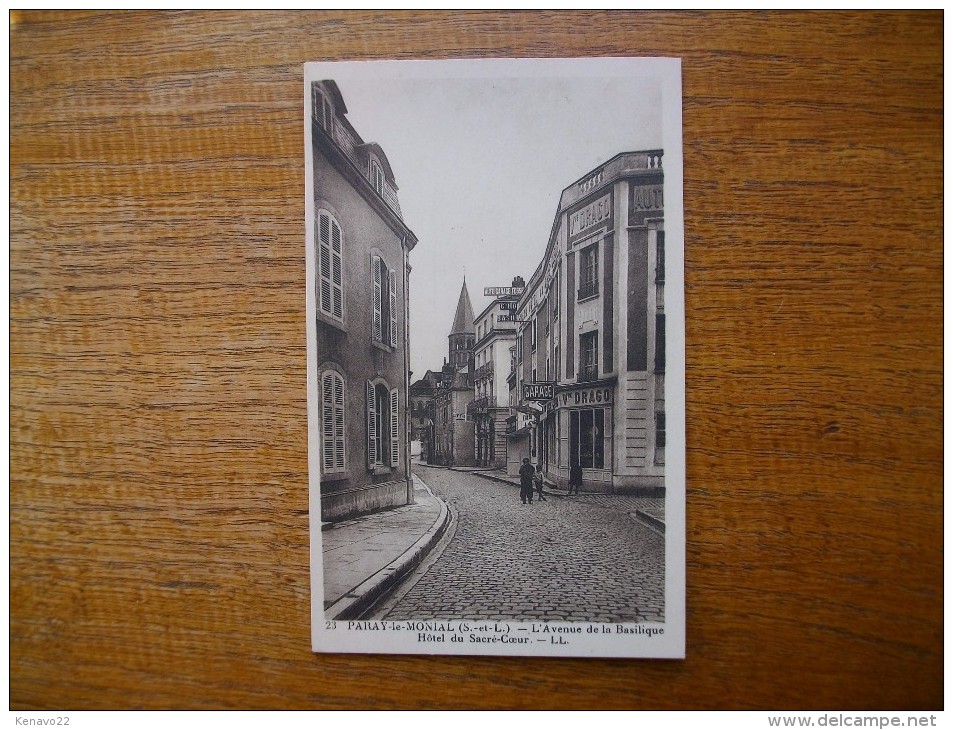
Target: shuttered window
{"type": "Point", "coordinates": [377, 177]}
{"type": "Point", "coordinates": [385, 302]}
{"type": "Point", "coordinates": [332, 422]}
{"type": "Point", "coordinates": [393, 309]}
{"type": "Point", "coordinates": [330, 266]}
{"type": "Point", "coordinates": [372, 457]}
{"type": "Point", "coordinates": [377, 265]}
{"type": "Point", "coordinates": [383, 426]}
{"type": "Point", "coordinates": [321, 110]}
{"type": "Point", "coordinates": [394, 429]}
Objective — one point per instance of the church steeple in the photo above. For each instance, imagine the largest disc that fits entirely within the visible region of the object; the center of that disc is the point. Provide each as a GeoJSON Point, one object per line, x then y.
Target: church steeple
{"type": "Point", "coordinates": [463, 319]}
{"type": "Point", "coordinates": [462, 334]}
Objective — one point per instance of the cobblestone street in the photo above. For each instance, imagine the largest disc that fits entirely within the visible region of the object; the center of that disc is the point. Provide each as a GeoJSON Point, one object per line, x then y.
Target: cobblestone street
{"type": "Point", "coordinates": [564, 559]}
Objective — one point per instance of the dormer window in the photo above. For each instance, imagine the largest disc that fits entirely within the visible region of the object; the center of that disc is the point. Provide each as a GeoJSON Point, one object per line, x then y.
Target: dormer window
{"type": "Point", "coordinates": [377, 177]}
{"type": "Point", "coordinates": [322, 111]}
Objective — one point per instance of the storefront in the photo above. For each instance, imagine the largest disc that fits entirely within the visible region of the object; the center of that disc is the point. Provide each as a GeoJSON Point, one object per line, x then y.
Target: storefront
{"type": "Point", "coordinates": [576, 427]}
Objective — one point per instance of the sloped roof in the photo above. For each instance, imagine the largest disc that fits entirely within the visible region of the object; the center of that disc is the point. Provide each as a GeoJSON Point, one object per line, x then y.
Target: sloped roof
{"type": "Point", "coordinates": [463, 319]}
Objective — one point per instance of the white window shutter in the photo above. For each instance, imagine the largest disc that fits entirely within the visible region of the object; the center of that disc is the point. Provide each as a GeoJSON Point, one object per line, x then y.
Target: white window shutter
{"type": "Point", "coordinates": [378, 297]}
{"type": "Point", "coordinates": [339, 459]}
{"type": "Point", "coordinates": [337, 265]}
{"type": "Point", "coordinates": [327, 421]}
{"type": "Point", "coordinates": [330, 266]}
{"type": "Point", "coordinates": [324, 262]}
{"type": "Point", "coordinates": [393, 308]}
{"type": "Point", "coordinates": [394, 428]}
{"type": "Point", "coordinates": [371, 426]}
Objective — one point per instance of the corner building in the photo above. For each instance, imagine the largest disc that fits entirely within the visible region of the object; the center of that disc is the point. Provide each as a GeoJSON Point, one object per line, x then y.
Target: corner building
{"type": "Point", "coordinates": [361, 246]}
{"type": "Point", "coordinates": [490, 407]}
{"type": "Point", "coordinates": [593, 321]}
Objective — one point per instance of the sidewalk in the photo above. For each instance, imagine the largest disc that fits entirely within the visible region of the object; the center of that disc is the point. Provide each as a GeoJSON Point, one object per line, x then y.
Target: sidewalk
{"type": "Point", "coordinates": [365, 558]}
{"type": "Point", "coordinates": [650, 511]}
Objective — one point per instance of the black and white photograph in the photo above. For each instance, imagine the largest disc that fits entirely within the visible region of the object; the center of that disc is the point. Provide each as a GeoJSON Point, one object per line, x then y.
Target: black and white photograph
{"type": "Point", "coordinates": [495, 354]}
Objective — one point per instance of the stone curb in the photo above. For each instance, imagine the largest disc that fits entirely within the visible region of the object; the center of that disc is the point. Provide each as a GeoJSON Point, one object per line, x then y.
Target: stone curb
{"type": "Point", "coordinates": [358, 601]}
{"type": "Point", "coordinates": [494, 478]}
{"type": "Point", "coordinates": [550, 492]}
{"type": "Point", "coordinates": [650, 521]}
{"type": "Point", "coordinates": [504, 480]}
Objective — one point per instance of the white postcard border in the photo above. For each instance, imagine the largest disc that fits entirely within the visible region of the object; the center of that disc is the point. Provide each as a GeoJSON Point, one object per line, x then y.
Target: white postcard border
{"type": "Point", "coordinates": [556, 639]}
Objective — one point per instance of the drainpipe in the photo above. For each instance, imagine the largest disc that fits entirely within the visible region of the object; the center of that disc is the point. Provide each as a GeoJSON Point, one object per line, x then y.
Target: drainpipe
{"type": "Point", "coordinates": [406, 280]}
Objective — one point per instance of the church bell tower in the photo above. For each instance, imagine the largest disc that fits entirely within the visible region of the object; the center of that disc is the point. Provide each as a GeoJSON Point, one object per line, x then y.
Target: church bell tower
{"type": "Point", "coordinates": [462, 334]}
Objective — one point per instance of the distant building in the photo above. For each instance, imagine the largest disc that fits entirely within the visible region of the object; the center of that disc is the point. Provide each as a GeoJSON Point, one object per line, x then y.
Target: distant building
{"type": "Point", "coordinates": [595, 323]}
{"type": "Point", "coordinates": [453, 429]}
{"type": "Point", "coordinates": [361, 246]}
{"type": "Point", "coordinates": [495, 335]}
{"type": "Point", "coordinates": [422, 393]}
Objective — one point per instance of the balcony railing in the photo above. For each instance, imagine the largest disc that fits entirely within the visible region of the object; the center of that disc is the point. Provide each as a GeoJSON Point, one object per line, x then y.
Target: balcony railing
{"type": "Point", "coordinates": [588, 289]}
{"type": "Point", "coordinates": [484, 372]}
{"type": "Point", "coordinates": [480, 405]}
{"type": "Point", "coordinates": [588, 374]}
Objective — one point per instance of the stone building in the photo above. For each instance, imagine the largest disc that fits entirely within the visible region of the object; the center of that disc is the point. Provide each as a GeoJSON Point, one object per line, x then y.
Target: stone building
{"type": "Point", "coordinates": [595, 324]}
{"type": "Point", "coordinates": [453, 428]}
{"type": "Point", "coordinates": [361, 246]}
{"type": "Point", "coordinates": [495, 335]}
{"type": "Point", "coordinates": [422, 394]}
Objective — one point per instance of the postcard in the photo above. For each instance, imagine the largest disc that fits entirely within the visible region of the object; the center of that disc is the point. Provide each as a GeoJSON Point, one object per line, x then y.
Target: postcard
{"type": "Point", "coordinates": [495, 356]}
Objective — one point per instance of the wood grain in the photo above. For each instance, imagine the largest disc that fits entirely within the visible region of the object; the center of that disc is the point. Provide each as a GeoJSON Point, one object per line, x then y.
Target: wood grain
{"type": "Point", "coordinates": [159, 535]}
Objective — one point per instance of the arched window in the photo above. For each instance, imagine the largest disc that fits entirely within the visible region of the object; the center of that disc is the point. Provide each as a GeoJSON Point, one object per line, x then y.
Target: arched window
{"type": "Point", "coordinates": [321, 109]}
{"type": "Point", "coordinates": [332, 422]}
{"type": "Point", "coordinates": [377, 176]}
{"type": "Point", "coordinates": [330, 266]}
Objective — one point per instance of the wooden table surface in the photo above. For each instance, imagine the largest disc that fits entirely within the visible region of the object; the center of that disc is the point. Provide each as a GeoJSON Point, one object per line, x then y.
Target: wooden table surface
{"type": "Point", "coordinates": [159, 530]}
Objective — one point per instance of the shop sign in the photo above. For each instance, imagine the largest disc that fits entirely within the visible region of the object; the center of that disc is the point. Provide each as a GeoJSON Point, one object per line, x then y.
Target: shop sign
{"type": "Point", "coordinates": [586, 397]}
{"type": "Point", "coordinates": [647, 197]}
{"type": "Point", "coordinates": [590, 216]}
{"type": "Point", "coordinates": [539, 392]}
{"type": "Point", "coordinates": [502, 291]}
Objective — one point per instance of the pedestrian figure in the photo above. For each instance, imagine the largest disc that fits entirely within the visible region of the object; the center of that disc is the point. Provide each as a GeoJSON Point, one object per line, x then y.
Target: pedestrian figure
{"type": "Point", "coordinates": [526, 481]}
{"type": "Point", "coordinates": [538, 483]}
{"type": "Point", "coordinates": [575, 477]}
